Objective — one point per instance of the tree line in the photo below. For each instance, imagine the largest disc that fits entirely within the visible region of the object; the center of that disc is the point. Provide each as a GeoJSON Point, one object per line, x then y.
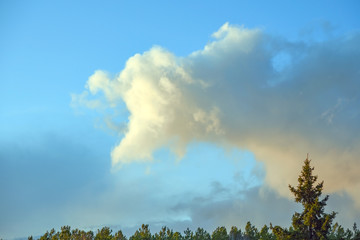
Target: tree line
{"type": "Point", "coordinates": [313, 223]}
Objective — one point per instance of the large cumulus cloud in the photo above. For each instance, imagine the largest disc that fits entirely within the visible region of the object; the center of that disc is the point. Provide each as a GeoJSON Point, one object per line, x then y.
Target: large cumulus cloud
{"type": "Point", "coordinates": [248, 89]}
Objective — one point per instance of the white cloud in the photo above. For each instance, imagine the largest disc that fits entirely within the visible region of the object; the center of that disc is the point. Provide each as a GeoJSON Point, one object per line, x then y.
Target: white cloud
{"type": "Point", "coordinates": [231, 92]}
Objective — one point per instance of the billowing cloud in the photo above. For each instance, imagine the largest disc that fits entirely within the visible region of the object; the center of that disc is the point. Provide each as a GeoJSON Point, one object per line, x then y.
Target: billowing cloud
{"type": "Point", "coordinates": [248, 89]}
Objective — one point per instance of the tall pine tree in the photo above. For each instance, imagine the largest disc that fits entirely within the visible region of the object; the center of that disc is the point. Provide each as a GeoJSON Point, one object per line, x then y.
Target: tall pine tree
{"type": "Point", "coordinates": [313, 223]}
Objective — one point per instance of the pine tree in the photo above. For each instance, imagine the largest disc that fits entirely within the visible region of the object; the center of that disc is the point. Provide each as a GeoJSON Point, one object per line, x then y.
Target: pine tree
{"type": "Point", "coordinates": [142, 234]}
{"type": "Point", "coordinates": [313, 223]}
{"type": "Point", "coordinates": [251, 232]}
{"type": "Point", "coordinates": [220, 233]}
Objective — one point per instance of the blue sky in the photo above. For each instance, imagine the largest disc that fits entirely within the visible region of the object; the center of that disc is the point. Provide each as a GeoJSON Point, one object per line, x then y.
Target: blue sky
{"type": "Point", "coordinates": [177, 113]}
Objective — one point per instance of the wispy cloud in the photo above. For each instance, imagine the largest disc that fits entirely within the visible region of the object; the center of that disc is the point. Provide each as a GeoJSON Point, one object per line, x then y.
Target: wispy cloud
{"type": "Point", "coordinates": [248, 89]}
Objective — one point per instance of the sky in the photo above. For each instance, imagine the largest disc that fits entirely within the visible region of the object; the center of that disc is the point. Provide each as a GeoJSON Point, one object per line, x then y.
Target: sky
{"type": "Point", "coordinates": [177, 113]}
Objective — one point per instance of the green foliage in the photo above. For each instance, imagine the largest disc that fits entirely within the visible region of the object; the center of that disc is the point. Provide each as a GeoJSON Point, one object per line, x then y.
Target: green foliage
{"type": "Point", "coordinates": [313, 223]}
{"type": "Point", "coordinates": [104, 234]}
{"type": "Point", "coordinates": [177, 236]}
{"type": "Point", "coordinates": [356, 235]}
{"type": "Point", "coordinates": [286, 234]}
{"type": "Point", "coordinates": [220, 233]}
{"type": "Point", "coordinates": [119, 236]}
{"type": "Point", "coordinates": [52, 235]}
{"type": "Point", "coordinates": [142, 234]}
{"type": "Point", "coordinates": [188, 234]}
{"type": "Point", "coordinates": [336, 232]}
{"type": "Point", "coordinates": [235, 233]}
{"type": "Point", "coordinates": [65, 233]}
{"type": "Point", "coordinates": [164, 234]}
{"type": "Point", "coordinates": [265, 234]}
{"type": "Point", "coordinates": [201, 234]}
{"type": "Point", "coordinates": [77, 234]}
{"type": "Point", "coordinates": [251, 232]}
